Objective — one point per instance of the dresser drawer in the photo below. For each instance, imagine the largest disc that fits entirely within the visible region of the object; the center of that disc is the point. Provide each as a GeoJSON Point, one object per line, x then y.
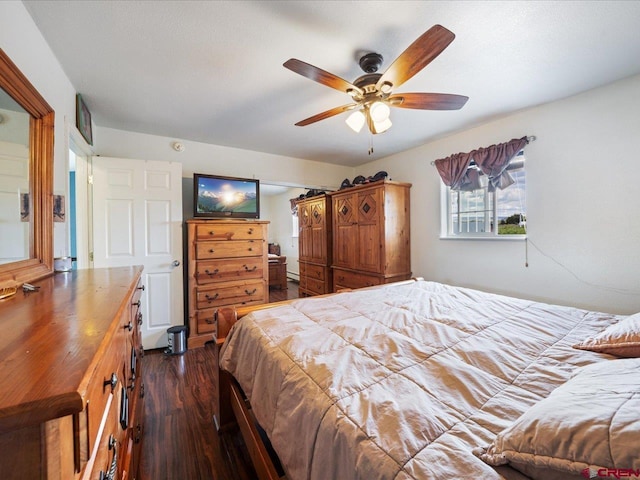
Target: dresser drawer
{"type": "Point", "coordinates": [106, 382]}
{"type": "Point", "coordinates": [347, 279]}
{"type": "Point", "coordinates": [314, 272]}
{"type": "Point", "coordinates": [224, 231]}
{"type": "Point", "coordinates": [109, 446]}
{"type": "Point", "coordinates": [315, 287]}
{"type": "Point", "coordinates": [136, 302]}
{"type": "Point", "coordinates": [205, 320]}
{"type": "Point", "coordinates": [240, 294]}
{"type": "Point", "coordinates": [222, 249]}
{"type": "Point", "coordinates": [211, 271]}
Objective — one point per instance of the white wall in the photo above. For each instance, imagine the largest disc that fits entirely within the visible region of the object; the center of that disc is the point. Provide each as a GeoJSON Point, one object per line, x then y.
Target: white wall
{"type": "Point", "coordinates": [280, 229]}
{"type": "Point", "coordinates": [215, 159]}
{"type": "Point", "coordinates": [582, 204]}
{"type": "Point", "coordinates": [23, 43]}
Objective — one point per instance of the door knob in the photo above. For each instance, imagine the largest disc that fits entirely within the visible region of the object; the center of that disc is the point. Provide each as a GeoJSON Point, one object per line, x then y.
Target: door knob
{"type": "Point", "coordinates": [176, 263]}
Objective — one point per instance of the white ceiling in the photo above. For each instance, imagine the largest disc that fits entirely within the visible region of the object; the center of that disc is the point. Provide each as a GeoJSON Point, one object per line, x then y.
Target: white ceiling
{"type": "Point", "coordinates": [211, 71]}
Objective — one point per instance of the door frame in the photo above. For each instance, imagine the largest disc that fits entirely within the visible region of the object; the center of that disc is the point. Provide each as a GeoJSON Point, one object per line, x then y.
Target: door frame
{"type": "Point", "coordinates": [84, 213]}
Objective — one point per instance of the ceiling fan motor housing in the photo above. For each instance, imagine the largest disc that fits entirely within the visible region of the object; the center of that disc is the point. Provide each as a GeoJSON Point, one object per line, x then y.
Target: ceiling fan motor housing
{"type": "Point", "coordinates": [371, 62]}
{"type": "Point", "coordinates": [368, 80]}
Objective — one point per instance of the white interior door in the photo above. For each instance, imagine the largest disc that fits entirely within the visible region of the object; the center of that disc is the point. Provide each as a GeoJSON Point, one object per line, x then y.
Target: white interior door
{"type": "Point", "coordinates": [137, 220]}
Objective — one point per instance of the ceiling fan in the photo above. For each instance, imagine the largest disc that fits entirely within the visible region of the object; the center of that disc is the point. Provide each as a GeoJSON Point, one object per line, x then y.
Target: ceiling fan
{"type": "Point", "coordinates": [372, 92]}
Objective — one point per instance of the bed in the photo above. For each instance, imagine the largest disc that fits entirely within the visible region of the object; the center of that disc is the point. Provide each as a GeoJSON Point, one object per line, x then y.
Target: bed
{"type": "Point", "coordinates": [421, 380]}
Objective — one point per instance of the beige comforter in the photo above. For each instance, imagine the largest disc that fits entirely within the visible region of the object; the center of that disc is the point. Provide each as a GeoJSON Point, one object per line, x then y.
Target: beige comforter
{"type": "Point", "coordinates": [400, 382]}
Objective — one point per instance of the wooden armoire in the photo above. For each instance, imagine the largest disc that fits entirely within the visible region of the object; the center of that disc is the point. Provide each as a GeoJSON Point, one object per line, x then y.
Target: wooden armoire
{"type": "Point", "coordinates": [371, 235]}
{"type": "Point", "coordinates": [314, 245]}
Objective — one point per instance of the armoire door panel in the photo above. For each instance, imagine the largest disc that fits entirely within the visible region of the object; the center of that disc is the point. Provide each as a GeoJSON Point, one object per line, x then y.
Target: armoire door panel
{"type": "Point", "coordinates": [344, 211]}
{"type": "Point", "coordinates": [369, 248]}
{"type": "Point", "coordinates": [344, 246]}
{"type": "Point", "coordinates": [369, 207]}
{"type": "Point", "coordinates": [318, 245]}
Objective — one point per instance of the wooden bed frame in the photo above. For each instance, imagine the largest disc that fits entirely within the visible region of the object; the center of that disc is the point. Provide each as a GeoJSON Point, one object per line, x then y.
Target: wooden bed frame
{"type": "Point", "coordinates": [232, 408]}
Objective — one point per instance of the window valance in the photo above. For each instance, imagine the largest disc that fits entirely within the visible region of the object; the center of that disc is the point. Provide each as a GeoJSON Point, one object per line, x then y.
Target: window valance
{"type": "Point", "coordinates": [491, 161]}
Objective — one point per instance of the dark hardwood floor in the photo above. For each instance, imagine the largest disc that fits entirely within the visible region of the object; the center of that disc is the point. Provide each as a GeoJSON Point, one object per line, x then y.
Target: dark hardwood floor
{"type": "Point", "coordinates": [277, 295]}
{"type": "Point", "coordinates": [180, 439]}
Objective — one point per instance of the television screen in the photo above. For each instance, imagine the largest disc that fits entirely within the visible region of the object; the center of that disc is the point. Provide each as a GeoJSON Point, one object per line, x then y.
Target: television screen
{"type": "Point", "coordinates": [225, 197]}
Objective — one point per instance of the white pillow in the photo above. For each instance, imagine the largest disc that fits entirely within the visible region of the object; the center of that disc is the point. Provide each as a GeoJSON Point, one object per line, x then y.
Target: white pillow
{"type": "Point", "coordinates": [590, 423]}
{"type": "Point", "coordinates": [621, 339]}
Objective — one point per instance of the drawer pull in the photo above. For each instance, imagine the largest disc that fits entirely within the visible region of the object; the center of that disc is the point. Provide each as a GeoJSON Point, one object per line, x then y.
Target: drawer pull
{"type": "Point", "coordinates": [250, 292]}
{"type": "Point", "coordinates": [250, 231]}
{"type": "Point", "coordinates": [134, 362]}
{"type": "Point", "coordinates": [318, 274]}
{"type": "Point", "coordinates": [139, 317]}
{"type": "Point", "coordinates": [129, 326]}
{"type": "Point", "coordinates": [341, 278]}
{"type": "Point", "coordinates": [250, 249]}
{"type": "Point", "coordinates": [141, 351]}
{"type": "Point", "coordinates": [111, 474]}
{"type": "Point", "coordinates": [211, 274]}
{"type": "Point", "coordinates": [138, 436]}
{"type": "Point", "coordinates": [210, 298]}
{"type": "Point", "coordinates": [209, 320]}
{"type": "Point", "coordinates": [211, 232]}
{"type": "Point", "coordinates": [255, 267]}
{"type": "Point", "coordinates": [137, 304]}
{"type": "Point", "coordinates": [124, 409]}
{"type": "Point", "coordinates": [142, 391]}
{"type": "Point", "coordinates": [112, 382]}
{"type": "Point", "coordinates": [141, 288]}
{"type": "Point", "coordinates": [211, 250]}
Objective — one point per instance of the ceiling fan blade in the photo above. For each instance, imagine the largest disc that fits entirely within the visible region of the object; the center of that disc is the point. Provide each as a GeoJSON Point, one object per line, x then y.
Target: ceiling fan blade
{"type": "Point", "coordinates": [321, 76]}
{"type": "Point", "coordinates": [325, 115]}
{"type": "Point", "coordinates": [428, 101]}
{"type": "Point", "coordinates": [417, 56]}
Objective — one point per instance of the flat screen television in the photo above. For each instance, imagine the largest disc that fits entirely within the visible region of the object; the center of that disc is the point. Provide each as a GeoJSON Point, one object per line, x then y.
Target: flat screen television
{"type": "Point", "coordinates": [215, 196]}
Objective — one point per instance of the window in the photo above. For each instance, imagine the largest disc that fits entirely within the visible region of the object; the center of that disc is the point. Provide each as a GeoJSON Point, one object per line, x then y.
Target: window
{"type": "Point", "coordinates": [484, 211]}
{"type": "Point", "coordinates": [294, 225]}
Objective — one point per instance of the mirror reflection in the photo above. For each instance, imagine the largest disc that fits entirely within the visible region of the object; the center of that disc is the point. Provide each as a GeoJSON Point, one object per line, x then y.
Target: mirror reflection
{"type": "Point", "coordinates": [15, 201]}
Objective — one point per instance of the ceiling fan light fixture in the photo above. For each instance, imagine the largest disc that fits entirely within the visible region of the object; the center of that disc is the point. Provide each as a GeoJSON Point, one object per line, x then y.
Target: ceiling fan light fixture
{"type": "Point", "coordinates": [356, 121]}
{"type": "Point", "coordinates": [383, 126]}
{"type": "Point", "coordinates": [379, 112]}
{"type": "Point", "coordinates": [371, 93]}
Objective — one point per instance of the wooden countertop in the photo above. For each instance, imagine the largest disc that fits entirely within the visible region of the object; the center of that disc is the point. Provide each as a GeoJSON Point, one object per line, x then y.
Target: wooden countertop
{"type": "Point", "coordinates": [49, 340]}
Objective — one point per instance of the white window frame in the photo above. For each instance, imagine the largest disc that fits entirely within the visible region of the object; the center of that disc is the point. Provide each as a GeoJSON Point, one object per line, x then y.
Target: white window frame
{"type": "Point", "coordinates": [446, 219]}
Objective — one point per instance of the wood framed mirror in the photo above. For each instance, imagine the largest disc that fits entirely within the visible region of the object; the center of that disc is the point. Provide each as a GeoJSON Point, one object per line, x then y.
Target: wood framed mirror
{"type": "Point", "coordinates": [38, 263]}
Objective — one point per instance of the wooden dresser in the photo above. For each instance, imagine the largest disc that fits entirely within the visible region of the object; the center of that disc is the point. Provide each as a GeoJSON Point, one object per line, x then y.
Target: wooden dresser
{"type": "Point", "coordinates": [371, 236]}
{"type": "Point", "coordinates": [314, 245]}
{"type": "Point", "coordinates": [278, 272]}
{"type": "Point", "coordinates": [71, 395]}
{"type": "Point", "coordinates": [227, 265]}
